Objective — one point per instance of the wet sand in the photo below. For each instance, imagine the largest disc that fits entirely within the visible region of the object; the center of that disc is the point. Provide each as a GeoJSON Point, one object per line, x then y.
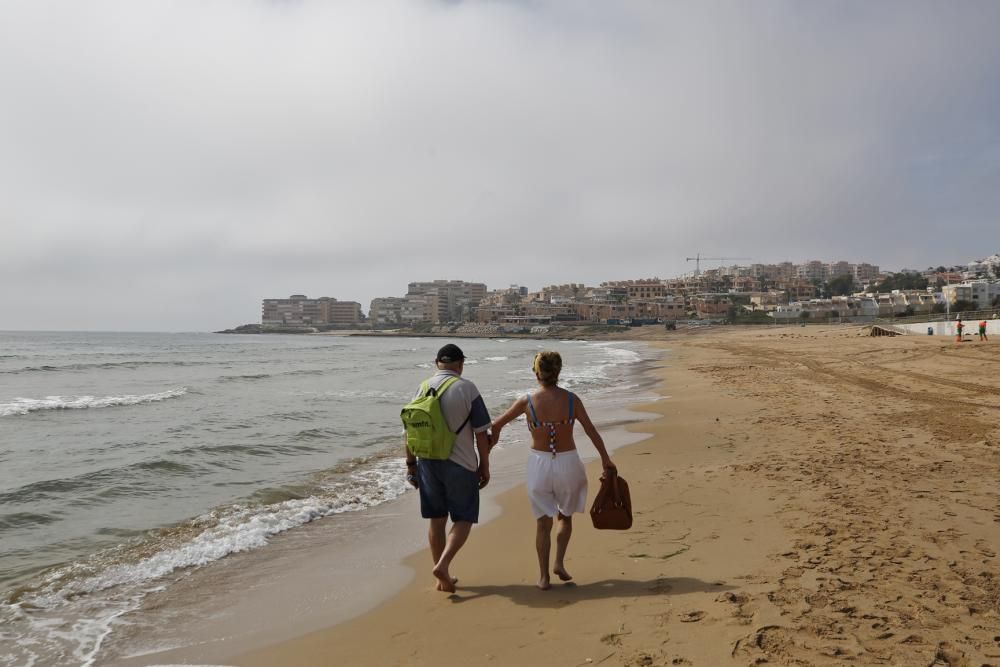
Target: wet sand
{"type": "Point", "coordinates": [808, 496]}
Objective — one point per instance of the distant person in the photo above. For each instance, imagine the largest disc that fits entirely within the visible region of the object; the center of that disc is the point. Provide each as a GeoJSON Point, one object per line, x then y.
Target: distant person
{"type": "Point", "coordinates": [557, 480]}
{"type": "Point", "coordinates": [959, 326]}
{"type": "Point", "coordinates": [450, 487]}
{"type": "Point", "coordinates": [982, 330]}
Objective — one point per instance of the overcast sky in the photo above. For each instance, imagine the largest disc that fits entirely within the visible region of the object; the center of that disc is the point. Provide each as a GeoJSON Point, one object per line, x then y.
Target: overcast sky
{"type": "Point", "coordinates": [165, 165]}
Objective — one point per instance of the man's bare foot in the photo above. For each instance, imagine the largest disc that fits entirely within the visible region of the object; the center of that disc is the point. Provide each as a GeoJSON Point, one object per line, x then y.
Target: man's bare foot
{"type": "Point", "coordinates": [544, 584]}
{"type": "Point", "coordinates": [446, 582]}
{"type": "Point", "coordinates": [562, 573]}
{"type": "Point", "coordinates": [454, 580]}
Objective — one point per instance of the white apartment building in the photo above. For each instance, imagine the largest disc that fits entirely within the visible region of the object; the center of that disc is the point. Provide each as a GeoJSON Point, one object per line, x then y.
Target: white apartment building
{"type": "Point", "coordinates": [980, 292]}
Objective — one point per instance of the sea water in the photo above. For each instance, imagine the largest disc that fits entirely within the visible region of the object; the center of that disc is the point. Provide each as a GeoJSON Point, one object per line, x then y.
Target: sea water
{"type": "Point", "coordinates": [127, 457]}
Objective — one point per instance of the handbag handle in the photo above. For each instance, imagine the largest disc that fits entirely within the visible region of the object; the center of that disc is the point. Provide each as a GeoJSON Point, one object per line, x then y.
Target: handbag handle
{"type": "Point", "coordinates": [612, 475]}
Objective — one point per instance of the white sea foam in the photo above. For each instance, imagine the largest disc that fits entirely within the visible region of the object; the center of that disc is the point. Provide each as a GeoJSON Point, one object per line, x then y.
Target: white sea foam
{"type": "Point", "coordinates": [241, 528]}
{"type": "Point", "coordinates": [73, 612]}
{"type": "Point", "coordinates": [89, 605]}
{"type": "Point", "coordinates": [22, 406]}
{"type": "Point", "coordinates": [368, 394]}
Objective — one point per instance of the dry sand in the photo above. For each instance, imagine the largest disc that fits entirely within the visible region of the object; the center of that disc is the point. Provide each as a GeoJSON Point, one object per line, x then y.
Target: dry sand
{"type": "Point", "coordinates": [809, 496]}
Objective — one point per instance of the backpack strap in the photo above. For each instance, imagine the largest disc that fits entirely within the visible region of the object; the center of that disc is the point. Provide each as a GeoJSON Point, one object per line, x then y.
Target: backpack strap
{"type": "Point", "coordinates": [443, 388]}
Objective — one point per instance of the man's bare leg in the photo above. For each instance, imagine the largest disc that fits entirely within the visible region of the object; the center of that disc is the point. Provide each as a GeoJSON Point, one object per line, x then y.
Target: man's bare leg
{"type": "Point", "coordinates": [457, 536]}
{"type": "Point", "coordinates": [543, 542]}
{"type": "Point", "coordinates": [564, 530]}
{"type": "Point", "coordinates": [437, 537]}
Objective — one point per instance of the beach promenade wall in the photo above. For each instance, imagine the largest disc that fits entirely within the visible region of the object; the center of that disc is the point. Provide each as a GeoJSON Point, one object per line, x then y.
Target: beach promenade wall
{"type": "Point", "coordinates": [948, 328]}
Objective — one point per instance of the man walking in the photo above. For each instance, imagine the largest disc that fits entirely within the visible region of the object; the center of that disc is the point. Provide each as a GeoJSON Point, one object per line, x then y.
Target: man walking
{"type": "Point", "coordinates": [982, 330]}
{"type": "Point", "coordinates": [450, 487]}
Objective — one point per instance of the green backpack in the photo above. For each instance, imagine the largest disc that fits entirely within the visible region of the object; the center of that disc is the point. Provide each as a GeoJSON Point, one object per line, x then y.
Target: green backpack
{"type": "Point", "coordinates": [427, 432]}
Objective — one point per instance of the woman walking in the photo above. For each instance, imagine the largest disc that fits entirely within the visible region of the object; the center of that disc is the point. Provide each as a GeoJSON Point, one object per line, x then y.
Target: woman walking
{"type": "Point", "coordinates": [557, 481]}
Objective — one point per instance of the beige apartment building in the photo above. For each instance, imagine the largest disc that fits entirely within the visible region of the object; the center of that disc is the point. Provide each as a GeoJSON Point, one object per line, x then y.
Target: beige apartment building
{"type": "Point", "coordinates": [564, 293]}
{"type": "Point", "coordinates": [814, 270]}
{"type": "Point", "coordinates": [443, 301]}
{"type": "Point", "coordinates": [417, 308]}
{"type": "Point", "coordinates": [797, 288]}
{"type": "Point", "coordinates": [386, 311]}
{"type": "Point", "coordinates": [646, 288]}
{"type": "Point", "coordinates": [300, 310]}
{"type": "Point", "coordinates": [865, 273]}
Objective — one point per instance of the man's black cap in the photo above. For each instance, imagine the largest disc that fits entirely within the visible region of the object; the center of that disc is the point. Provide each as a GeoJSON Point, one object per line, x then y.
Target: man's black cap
{"type": "Point", "coordinates": [450, 353]}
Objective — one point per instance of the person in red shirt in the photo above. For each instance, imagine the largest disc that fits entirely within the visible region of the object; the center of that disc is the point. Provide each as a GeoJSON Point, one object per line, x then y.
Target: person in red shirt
{"type": "Point", "coordinates": [982, 330]}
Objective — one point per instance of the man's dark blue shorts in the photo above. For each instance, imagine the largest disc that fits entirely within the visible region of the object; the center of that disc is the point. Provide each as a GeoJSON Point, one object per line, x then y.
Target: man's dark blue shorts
{"type": "Point", "coordinates": [447, 488]}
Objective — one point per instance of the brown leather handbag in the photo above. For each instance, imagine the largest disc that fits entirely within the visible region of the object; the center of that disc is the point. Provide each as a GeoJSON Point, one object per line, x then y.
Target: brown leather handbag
{"type": "Point", "coordinates": [612, 508]}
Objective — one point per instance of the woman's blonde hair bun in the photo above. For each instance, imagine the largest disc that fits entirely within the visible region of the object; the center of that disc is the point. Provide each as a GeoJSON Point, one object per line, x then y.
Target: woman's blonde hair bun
{"type": "Point", "coordinates": [547, 366]}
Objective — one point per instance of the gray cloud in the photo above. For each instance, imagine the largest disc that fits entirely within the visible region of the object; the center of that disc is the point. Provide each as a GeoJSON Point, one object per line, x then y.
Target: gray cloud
{"type": "Point", "coordinates": [188, 159]}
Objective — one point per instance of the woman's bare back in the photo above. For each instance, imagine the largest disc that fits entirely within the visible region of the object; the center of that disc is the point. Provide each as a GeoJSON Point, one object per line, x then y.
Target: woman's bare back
{"type": "Point", "coordinates": [551, 423]}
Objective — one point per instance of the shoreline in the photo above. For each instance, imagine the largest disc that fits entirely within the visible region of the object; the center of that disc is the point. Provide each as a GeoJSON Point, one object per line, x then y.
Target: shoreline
{"type": "Point", "coordinates": [591, 331]}
{"type": "Point", "coordinates": [613, 570]}
{"type": "Point", "coordinates": [209, 614]}
{"type": "Point", "coordinates": [806, 496]}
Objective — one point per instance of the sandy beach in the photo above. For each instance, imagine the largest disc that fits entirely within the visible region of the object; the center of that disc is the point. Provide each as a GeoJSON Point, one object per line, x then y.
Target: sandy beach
{"type": "Point", "coordinates": [807, 495]}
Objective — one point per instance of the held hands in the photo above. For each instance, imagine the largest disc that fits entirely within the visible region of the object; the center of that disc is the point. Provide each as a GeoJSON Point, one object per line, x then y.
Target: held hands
{"type": "Point", "coordinates": [609, 465]}
{"type": "Point", "coordinates": [411, 475]}
{"type": "Point", "coordinates": [494, 435]}
{"type": "Point", "coordinates": [484, 475]}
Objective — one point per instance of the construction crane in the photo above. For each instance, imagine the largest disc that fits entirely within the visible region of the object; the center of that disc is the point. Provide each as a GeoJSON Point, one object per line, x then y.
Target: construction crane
{"type": "Point", "coordinates": [697, 261]}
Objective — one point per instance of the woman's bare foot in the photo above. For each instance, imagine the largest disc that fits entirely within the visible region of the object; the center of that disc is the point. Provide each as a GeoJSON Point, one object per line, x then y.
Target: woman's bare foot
{"type": "Point", "coordinates": [543, 583]}
{"type": "Point", "coordinates": [562, 573]}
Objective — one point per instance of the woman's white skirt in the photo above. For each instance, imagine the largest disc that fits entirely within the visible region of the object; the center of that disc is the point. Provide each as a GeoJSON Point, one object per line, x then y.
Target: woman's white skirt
{"type": "Point", "coordinates": [556, 484]}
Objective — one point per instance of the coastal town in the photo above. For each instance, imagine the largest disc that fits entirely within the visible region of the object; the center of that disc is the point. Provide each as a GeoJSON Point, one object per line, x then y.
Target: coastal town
{"type": "Point", "coordinates": [813, 291]}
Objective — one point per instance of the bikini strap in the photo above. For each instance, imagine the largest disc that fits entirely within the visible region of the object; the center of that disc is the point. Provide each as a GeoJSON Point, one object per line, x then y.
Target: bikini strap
{"type": "Point", "coordinates": [571, 397]}
{"type": "Point", "coordinates": [534, 417]}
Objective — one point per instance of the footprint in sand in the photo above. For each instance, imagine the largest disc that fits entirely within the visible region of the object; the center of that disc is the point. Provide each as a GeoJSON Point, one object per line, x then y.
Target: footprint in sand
{"type": "Point", "coordinates": [692, 617]}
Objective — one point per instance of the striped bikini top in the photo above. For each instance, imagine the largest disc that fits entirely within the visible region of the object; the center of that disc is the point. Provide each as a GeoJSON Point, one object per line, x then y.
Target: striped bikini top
{"type": "Point", "coordinates": [534, 424]}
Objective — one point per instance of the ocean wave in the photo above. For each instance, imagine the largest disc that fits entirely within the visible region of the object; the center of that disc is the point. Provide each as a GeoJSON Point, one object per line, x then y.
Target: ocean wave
{"type": "Point", "coordinates": [20, 519]}
{"type": "Point", "coordinates": [243, 378]}
{"type": "Point", "coordinates": [495, 358]}
{"type": "Point", "coordinates": [91, 594]}
{"type": "Point", "coordinates": [136, 479]}
{"type": "Point", "coordinates": [22, 406]}
{"type": "Point", "coordinates": [321, 433]}
{"type": "Point", "coordinates": [108, 365]}
{"type": "Point", "coordinates": [294, 416]}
